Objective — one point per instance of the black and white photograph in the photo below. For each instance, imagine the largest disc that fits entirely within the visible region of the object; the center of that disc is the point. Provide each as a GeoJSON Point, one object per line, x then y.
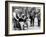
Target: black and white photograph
{"type": "Point", "coordinates": [24, 18]}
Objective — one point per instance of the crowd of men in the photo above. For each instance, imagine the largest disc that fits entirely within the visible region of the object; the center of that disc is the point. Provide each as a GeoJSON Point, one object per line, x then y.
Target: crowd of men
{"type": "Point", "coordinates": [23, 20]}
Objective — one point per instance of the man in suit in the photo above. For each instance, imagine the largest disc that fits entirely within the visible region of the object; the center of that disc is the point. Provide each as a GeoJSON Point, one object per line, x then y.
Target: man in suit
{"type": "Point", "coordinates": [17, 25]}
